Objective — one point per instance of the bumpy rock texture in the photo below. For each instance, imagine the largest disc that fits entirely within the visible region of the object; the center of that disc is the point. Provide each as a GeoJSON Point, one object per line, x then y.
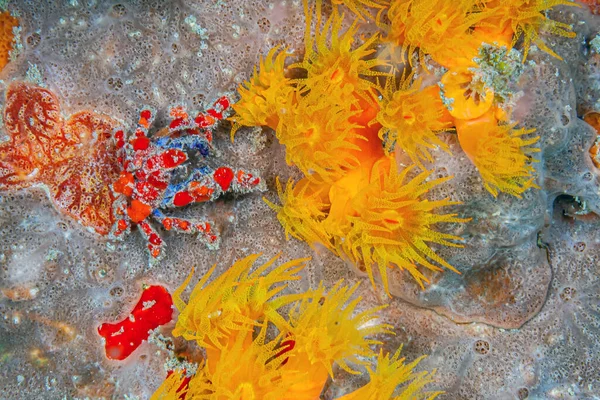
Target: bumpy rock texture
{"type": "Point", "coordinates": [521, 321]}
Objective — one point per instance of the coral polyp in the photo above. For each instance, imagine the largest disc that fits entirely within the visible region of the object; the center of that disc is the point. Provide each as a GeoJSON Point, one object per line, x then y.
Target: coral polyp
{"type": "Point", "coordinates": [385, 222]}
{"type": "Point", "coordinates": [304, 207]}
{"type": "Point", "coordinates": [320, 138]}
{"type": "Point", "coordinates": [502, 154]}
{"type": "Point", "coordinates": [232, 302]}
{"type": "Point", "coordinates": [263, 97]}
{"type": "Point", "coordinates": [411, 118]}
{"type": "Point", "coordinates": [394, 224]}
{"type": "Point", "coordinates": [525, 20]}
{"type": "Point", "coordinates": [390, 373]}
{"type": "Point", "coordinates": [330, 56]}
{"type": "Point", "coordinates": [438, 28]}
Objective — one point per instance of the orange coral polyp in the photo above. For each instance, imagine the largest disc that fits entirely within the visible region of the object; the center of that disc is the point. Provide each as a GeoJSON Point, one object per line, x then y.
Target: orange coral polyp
{"type": "Point", "coordinates": [232, 302]}
{"type": "Point", "coordinates": [395, 224]}
{"type": "Point", "coordinates": [411, 119]}
{"type": "Point", "coordinates": [439, 28]}
{"type": "Point", "coordinates": [318, 134]}
{"type": "Point", "coordinates": [265, 95]}
{"type": "Point", "coordinates": [525, 19]}
{"type": "Point", "coordinates": [374, 218]}
{"type": "Point", "coordinates": [330, 59]}
{"type": "Point", "coordinates": [304, 206]}
{"type": "Point", "coordinates": [503, 155]}
{"type": "Point", "coordinates": [320, 328]}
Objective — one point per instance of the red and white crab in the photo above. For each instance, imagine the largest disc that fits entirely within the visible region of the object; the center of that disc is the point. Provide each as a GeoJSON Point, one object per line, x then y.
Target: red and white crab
{"type": "Point", "coordinates": [148, 182]}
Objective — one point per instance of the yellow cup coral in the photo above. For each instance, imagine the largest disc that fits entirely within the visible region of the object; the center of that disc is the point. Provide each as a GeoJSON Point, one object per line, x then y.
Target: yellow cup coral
{"type": "Point", "coordinates": [525, 19]}
{"type": "Point", "coordinates": [263, 97]}
{"type": "Point", "coordinates": [319, 135]}
{"type": "Point", "coordinates": [330, 57]}
{"type": "Point", "coordinates": [265, 354]}
{"type": "Point", "coordinates": [439, 28]}
{"type": "Point", "coordinates": [391, 373]}
{"type": "Point", "coordinates": [395, 224]}
{"type": "Point", "coordinates": [386, 223]}
{"type": "Point", "coordinates": [305, 206]}
{"type": "Point", "coordinates": [232, 302]}
{"type": "Point", "coordinates": [502, 154]}
{"type": "Point", "coordinates": [411, 118]}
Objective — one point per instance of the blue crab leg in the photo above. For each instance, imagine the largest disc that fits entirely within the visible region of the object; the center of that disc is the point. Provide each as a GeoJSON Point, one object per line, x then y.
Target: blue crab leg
{"type": "Point", "coordinates": [194, 142]}
{"type": "Point", "coordinates": [207, 184]}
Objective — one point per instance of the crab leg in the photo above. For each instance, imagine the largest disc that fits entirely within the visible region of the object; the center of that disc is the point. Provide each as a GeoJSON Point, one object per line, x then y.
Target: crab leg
{"type": "Point", "coordinates": [204, 228]}
{"type": "Point", "coordinates": [122, 226]}
{"type": "Point", "coordinates": [194, 142]}
{"type": "Point", "coordinates": [206, 184]}
{"type": "Point", "coordinates": [156, 245]}
{"type": "Point", "coordinates": [213, 114]}
{"type": "Point", "coordinates": [141, 141]}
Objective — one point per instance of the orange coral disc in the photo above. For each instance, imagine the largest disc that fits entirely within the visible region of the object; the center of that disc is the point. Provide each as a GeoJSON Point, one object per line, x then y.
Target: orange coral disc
{"type": "Point", "coordinates": [467, 102]}
{"type": "Point", "coordinates": [7, 23]}
{"type": "Point", "coordinates": [593, 118]}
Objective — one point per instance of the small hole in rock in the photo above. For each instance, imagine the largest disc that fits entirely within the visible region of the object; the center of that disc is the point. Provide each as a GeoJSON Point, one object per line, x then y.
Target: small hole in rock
{"type": "Point", "coordinates": [482, 347]}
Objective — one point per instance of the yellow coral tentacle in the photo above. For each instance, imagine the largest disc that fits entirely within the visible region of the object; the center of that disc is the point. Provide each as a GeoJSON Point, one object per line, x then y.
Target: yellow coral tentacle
{"type": "Point", "coordinates": [173, 388]}
{"type": "Point", "coordinates": [232, 302]}
{"type": "Point", "coordinates": [411, 119]}
{"type": "Point", "coordinates": [501, 154]}
{"type": "Point", "coordinates": [439, 28]}
{"type": "Point", "coordinates": [249, 370]}
{"type": "Point", "coordinates": [319, 135]}
{"type": "Point", "coordinates": [329, 57]}
{"type": "Point", "coordinates": [327, 328]}
{"type": "Point", "coordinates": [395, 224]}
{"type": "Point", "coordinates": [359, 7]}
{"type": "Point", "coordinates": [526, 19]}
{"type": "Point", "coordinates": [263, 96]}
{"type": "Point", "coordinates": [302, 211]}
{"type": "Point", "coordinates": [395, 380]}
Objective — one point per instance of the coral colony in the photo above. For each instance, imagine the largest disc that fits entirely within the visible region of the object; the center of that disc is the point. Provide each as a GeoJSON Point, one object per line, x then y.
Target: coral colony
{"type": "Point", "coordinates": [369, 115]}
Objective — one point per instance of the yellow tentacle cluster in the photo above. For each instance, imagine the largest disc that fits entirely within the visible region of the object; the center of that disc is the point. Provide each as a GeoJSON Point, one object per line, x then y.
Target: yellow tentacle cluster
{"type": "Point", "coordinates": [256, 351]}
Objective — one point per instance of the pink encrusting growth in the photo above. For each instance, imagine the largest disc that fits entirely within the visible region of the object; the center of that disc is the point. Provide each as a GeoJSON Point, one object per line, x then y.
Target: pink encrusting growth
{"type": "Point", "coordinates": [152, 310]}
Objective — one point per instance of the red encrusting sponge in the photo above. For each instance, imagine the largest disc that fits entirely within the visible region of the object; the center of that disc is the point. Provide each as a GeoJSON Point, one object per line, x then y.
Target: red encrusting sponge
{"type": "Point", "coordinates": [152, 310]}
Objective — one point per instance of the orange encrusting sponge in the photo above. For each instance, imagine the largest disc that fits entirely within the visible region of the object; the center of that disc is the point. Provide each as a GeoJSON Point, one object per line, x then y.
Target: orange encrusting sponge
{"type": "Point", "coordinates": [7, 23]}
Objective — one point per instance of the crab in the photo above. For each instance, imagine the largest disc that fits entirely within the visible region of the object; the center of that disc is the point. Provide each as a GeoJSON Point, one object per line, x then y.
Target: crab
{"type": "Point", "coordinates": [157, 174]}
